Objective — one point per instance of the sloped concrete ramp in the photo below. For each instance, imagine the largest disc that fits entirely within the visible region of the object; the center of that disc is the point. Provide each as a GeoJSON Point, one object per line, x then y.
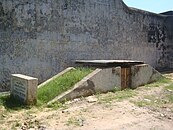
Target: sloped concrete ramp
{"type": "Point", "coordinates": [110, 79]}
{"type": "Point", "coordinates": [100, 80]}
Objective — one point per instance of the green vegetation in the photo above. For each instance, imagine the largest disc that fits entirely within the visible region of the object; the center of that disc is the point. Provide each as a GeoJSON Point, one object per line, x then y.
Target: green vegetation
{"type": "Point", "coordinates": [75, 121]}
{"type": "Point", "coordinates": [169, 87]}
{"type": "Point", "coordinates": [49, 90]}
{"type": "Point", "coordinates": [155, 101]}
{"type": "Point", "coordinates": [57, 105]}
{"type": "Point", "coordinates": [11, 103]}
{"type": "Point", "coordinates": [169, 90]}
{"type": "Point", "coordinates": [158, 101]}
{"type": "Point", "coordinates": [152, 101]}
{"type": "Point", "coordinates": [61, 84]}
{"type": "Point", "coordinates": [160, 82]}
{"type": "Point", "coordinates": [118, 95]}
{"type": "Point", "coordinates": [164, 80]}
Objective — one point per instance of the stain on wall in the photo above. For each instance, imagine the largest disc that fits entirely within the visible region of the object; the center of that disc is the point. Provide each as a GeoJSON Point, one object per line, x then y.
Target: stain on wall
{"type": "Point", "coordinates": [42, 37]}
{"type": "Point", "coordinates": [156, 34]}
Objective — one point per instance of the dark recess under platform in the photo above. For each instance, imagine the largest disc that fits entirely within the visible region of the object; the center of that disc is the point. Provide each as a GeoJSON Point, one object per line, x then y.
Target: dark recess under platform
{"type": "Point", "coordinates": [108, 63]}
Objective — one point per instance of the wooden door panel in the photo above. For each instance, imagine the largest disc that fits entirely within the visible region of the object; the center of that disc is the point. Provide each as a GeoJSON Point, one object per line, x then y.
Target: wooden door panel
{"type": "Point", "coordinates": [125, 78]}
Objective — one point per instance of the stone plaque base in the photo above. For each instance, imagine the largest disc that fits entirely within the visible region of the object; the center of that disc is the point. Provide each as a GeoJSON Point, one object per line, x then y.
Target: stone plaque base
{"type": "Point", "coordinates": [24, 88]}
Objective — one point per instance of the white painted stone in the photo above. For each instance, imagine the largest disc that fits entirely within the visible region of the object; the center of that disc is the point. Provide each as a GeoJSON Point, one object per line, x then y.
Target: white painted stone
{"type": "Point", "coordinates": [91, 99]}
{"type": "Point", "coordinates": [24, 88]}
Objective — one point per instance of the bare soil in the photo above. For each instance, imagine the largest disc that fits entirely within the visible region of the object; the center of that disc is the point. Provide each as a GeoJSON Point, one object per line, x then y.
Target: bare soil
{"type": "Point", "coordinates": [93, 113]}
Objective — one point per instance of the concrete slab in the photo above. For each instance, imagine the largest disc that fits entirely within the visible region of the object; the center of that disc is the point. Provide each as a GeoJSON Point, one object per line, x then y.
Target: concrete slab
{"type": "Point", "coordinates": [108, 63]}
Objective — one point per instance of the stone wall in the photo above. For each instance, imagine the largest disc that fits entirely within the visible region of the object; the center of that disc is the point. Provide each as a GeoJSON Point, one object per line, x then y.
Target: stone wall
{"type": "Point", "coordinates": [42, 37]}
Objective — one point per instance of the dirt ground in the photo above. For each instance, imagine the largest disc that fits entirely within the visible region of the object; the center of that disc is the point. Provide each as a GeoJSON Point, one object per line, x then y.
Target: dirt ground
{"type": "Point", "coordinates": [145, 109]}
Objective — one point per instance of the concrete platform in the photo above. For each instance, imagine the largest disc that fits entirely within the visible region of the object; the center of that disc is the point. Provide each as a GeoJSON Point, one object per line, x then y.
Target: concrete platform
{"type": "Point", "coordinates": [104, 80]}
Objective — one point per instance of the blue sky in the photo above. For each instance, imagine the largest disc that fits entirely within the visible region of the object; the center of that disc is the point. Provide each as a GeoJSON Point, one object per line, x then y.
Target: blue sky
{"type": "Point", "coordinates": [156, 6]}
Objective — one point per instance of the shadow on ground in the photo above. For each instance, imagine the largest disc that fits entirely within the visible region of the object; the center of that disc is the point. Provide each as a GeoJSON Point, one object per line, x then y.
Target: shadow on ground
{"type": "Point", "coordinates": [11, 103]}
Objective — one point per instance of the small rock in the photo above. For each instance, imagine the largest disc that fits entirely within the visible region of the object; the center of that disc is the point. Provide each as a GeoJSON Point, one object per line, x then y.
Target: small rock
{"type": "Point", "coordinates": [169, 90]}
{"type": "Point", "coordinates": [63, 111]}
{"type": "Point", "coordinates": [81, 122]}
{"type": "Point", "coordinates": [25, 123]}
{"type": "Point", "coordinates": [2, 108]}
{"type": "Point", "coordinates": [167, 109]}
{"type": "Point", "coordinates": [147, 100]}
{"type": "Point", "coordinates": [91, 99]}
{"type": "Point", "coordinates": [68, 102]}
{"type": "Point", "coordinates": [169, 118]}
{"type": "Point", "coordinates": [76, 100]}
{"type": "Point", "coordinates": [41, 127]}
{"type": "Point", "coordinates": [24, 127]}
{"type": "Point", "coordinates": [4, 115]}
{"type": "Point", "coordinates": [31, 129]}
{"type": "Point", "coordinates": [162, 115]}
{"type": "Point", "coordinates": [155, 101]}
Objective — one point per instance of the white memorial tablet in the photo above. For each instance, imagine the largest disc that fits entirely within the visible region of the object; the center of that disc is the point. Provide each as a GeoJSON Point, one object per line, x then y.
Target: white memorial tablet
{"type": "Point", "coordinates": [24, 88]}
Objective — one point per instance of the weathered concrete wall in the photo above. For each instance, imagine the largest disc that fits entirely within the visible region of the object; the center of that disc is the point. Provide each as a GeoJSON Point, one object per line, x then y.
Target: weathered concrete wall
{"type": "Point", "coordinates": [100, 80]}
{"type": "Point", "coordinates": [143, 74]}
{"type": "Point", "coordinates": [42, 37]}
